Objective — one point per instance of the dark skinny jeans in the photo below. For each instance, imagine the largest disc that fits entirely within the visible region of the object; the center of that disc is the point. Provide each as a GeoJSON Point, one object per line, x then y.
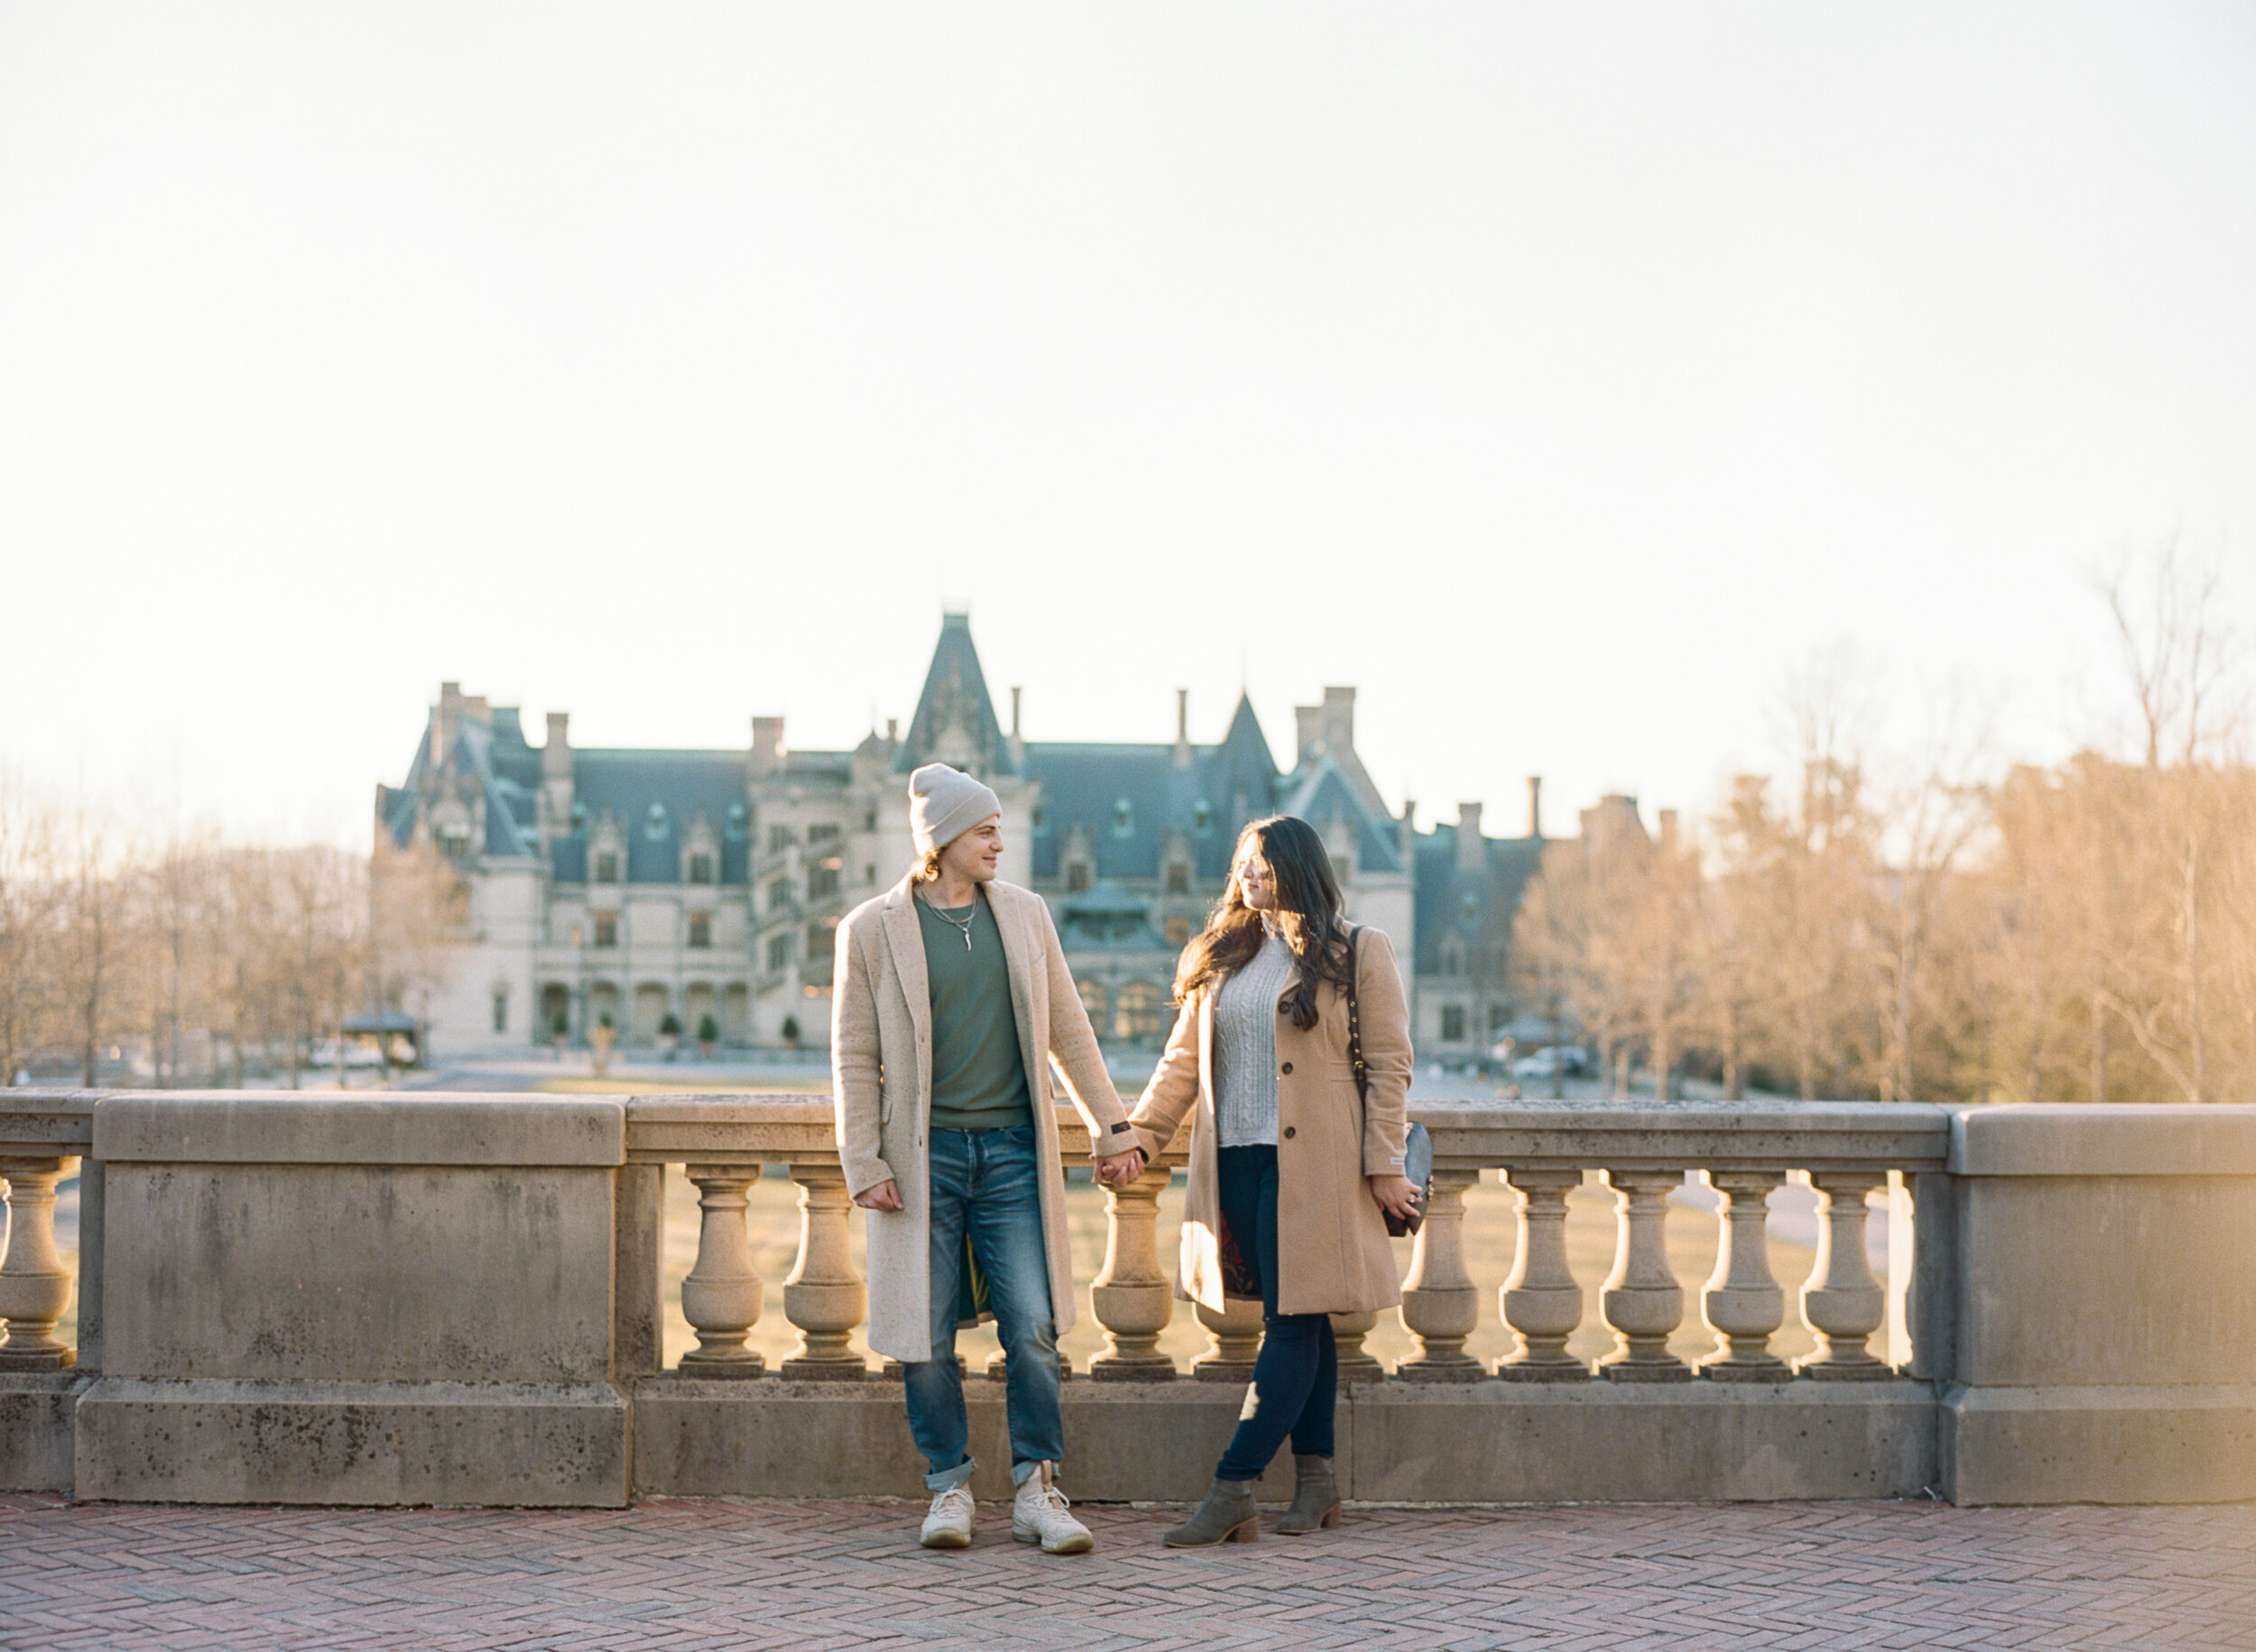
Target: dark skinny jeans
{"type": "Point", "coordinates": [1295, 1377]}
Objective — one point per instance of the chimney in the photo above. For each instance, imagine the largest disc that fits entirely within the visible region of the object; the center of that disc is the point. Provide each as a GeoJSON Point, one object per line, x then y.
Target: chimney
{"type": "Point", "coordinates": [892, 731]}
{"type": "Point", "coordinates": [1472, 848]}
{"type": "Point", "coordinates": [1309, 725]}
{"type": "Point", "coordinates": [1339, 721]}
{"type": "Point", "coordinates": [1182, 728]}
{"type": "Point", "coordinates": [445, 722]}
{"type": "Point", "coordinates": [1015, 693]}
{"type": "Point", "coordinates": [767, 744]}
{"type": "Point", "coordinates": [1406, 834]}
{"type": "Point", "coordinates": [1535, 806]}
{"type": "Point", "coordinates": [556, 757]}
{"type": "Point", "coordinates": [1669, 829]}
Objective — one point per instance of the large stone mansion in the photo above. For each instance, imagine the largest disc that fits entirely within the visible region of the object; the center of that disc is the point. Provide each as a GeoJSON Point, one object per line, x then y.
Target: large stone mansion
{"type": "Point", "coordinates": [705, 886]}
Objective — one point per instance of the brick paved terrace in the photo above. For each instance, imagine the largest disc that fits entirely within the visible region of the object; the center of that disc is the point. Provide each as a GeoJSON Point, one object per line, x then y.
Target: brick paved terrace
{"type": "Point", "coordinates": [698, 1573]}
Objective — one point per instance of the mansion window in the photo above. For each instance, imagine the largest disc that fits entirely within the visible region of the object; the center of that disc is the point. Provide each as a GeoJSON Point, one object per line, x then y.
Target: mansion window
{"type": "Point", "coordinates": [1096, 1000]}
{"type": "Point", "coordinates": [1141, 1013]}
{"type": "Point", "coordinates": [1452, 1023]}
{"type": "Point", "coordinates": [1077, 876]}
{"type": "Point", "coordinates": [1178, 878]}
{"type": "Point", "coordinates": [606, 929]}
{"type": "Point", "coordinates": [700, 928]}
{"type": "Point", "coordinates": [822, 879]}
{"type": "Point", "coordinates": [821, 939]}
{"type": "Point", "coordinates": [822, 832]}
{"type": "Point", "coordinates": [778, 839]}
{"type": "Point", "coordinates": [607, 867]}
{"type": "Point", "coordinates": [700, 868]}
{"type": "Point", "coordinates": [779, 952]}
{"type": "Point", "coordinates": [1499, 1017]}
{"type": "Point", "coordinates": [778, 895]}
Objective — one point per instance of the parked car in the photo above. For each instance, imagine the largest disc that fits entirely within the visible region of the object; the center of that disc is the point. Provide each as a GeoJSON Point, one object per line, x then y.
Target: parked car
{"type": "Point", "coordinates": [1553, 1061]}
{"type": "Point", "coordinates": [357, 1055]}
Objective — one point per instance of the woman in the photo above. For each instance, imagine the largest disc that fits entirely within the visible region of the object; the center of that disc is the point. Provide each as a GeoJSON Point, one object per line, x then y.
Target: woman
{"type": "Point", "coordinates": [1292, 1172]}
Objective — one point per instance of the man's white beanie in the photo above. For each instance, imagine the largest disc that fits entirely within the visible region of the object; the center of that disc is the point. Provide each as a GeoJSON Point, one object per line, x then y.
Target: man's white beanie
{"type": "Point", "coordinates": [944, 804]}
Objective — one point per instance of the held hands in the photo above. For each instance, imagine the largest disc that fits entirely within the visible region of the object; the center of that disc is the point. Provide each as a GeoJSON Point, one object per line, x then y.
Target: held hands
{"type": "Point", "coordinates": [1395, 1194]}
{"type": "Point", "coordinates": [1119, 1169]}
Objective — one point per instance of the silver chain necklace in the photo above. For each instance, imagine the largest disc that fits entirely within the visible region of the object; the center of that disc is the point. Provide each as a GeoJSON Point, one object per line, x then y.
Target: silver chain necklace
{"type": "Point", "coordinates": [962, 926]}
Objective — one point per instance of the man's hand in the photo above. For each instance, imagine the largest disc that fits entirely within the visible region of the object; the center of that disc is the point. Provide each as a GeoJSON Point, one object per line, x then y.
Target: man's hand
{"type": "Point", "coordinates": [884, 1196]}
{"type": "Point", "coordinates": [1396, 1194]}
{"type": "Point", "coordinates": [1119, 1169]}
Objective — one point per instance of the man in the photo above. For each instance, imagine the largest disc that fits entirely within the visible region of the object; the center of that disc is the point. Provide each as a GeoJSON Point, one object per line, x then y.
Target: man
{"type": "Point", "coordinates": [949, 998]}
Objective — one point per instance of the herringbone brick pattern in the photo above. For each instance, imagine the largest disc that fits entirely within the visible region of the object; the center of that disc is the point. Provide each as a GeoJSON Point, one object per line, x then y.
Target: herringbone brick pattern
{"type": "Point", "coordinates": [670, 1575]}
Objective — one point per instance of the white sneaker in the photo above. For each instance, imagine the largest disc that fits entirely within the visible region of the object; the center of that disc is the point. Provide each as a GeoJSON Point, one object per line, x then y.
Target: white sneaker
{"type": "Point", "coordinates": [1038, 1515]}
{"type": "Point", "coordinates": [947, 1524]}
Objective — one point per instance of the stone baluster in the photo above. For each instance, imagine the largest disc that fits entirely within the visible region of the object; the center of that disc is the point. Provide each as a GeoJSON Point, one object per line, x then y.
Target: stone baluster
{"type": "Point", "coordinates": [824, 1298]}
{"type": "Point", "coordinates": [34, 1285]}
{"type": "Point", "coordinates": [1132, 1298]}
{"type": "Point", "coordinates": [1642, 1301]}
{"type": "Point", "coordinates": [1540, 1301]}
{"type": "Point", "coordinates": [1843, 1302]}
{"type": "Point", "coordinates": [1348, 1330]}
{"type": "Point", "coordinates": [1743, 1303]}
{"type": "Point", "coordinates": [1234, 1340]}
{"type": "Point", "coordinates": [1440, 1304]}
{"type": "Point", "coordinates": [722, 1295]}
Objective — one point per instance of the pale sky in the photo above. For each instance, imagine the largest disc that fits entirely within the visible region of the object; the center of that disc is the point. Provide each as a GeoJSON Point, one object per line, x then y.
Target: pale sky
{"type": "Point", "coordinates": [1562, 376]}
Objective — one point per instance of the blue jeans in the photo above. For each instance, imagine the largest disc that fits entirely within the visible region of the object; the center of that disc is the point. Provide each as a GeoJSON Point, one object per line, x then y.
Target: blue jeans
{"type": "Point", "coordinates": [1296, 1375]}
{"type": "Point", "coordinates": [987, 1182]}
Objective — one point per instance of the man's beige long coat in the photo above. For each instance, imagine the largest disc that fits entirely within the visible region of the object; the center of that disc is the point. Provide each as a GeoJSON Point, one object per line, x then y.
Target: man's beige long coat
{"type": "Point", "coordinates": [1333, 1254]}
{"type": "Point", "coordinates": [881, 1058]}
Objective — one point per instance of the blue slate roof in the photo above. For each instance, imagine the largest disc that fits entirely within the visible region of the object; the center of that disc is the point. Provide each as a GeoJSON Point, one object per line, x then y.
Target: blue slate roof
{"type": "Point", "coordinates": [1128, 798]}
{"type": "Point", "coordinates": [1443, 890]}
{"type": "Point", "coordinates": [494, 756]}
{"type": "Point", "coordinates": [955, 690]}
{"type": "Point", "coordinates": [654, 796]}
{"type": "Point", "coordinates": [1106, 917]}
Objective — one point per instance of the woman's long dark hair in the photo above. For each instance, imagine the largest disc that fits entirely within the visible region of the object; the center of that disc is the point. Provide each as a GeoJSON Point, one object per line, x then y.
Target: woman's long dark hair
{"type": "Point", "coordinates": [1308, 913]}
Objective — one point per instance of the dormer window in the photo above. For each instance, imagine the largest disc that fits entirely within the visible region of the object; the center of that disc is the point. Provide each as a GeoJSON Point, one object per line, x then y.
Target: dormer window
{"type": "Point", "coordinates": [607, 866]}
{"type": "Point", "coordinates": [654, 822]}
{"type": "Point", "coordinates": [1077, 876]}
{"type": "Point", "coordinates": [1202, 816]}
{"type": "Point", "coordinates": [1123, 819]}
{"type": "Point", "coordinates": [701, 867]}
{"type": "Point", "coordinates": [1178, 878]}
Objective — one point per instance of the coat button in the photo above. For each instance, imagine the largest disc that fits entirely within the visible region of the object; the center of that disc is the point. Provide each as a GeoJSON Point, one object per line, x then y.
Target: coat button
{"type": "Point", "coordinates": [1287, 1067]}
{"type": "Point", "coordinates": [1287, 1132]}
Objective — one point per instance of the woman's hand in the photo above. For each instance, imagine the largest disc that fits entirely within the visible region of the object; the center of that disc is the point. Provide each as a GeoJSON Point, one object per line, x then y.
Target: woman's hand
{"type": "Point", "coordinates": [1395, 1194]}
{"type": "Point", "coordinates": [885, 1196]}
{"type": "Point", "coordinates": [1119, 1169]}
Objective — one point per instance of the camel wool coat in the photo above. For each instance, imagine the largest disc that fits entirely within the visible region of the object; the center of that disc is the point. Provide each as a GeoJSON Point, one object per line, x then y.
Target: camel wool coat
{"type": "Point", "coordinates": [1332, 1246]}
{"type": "Point", "coordinates": [880, 1060]}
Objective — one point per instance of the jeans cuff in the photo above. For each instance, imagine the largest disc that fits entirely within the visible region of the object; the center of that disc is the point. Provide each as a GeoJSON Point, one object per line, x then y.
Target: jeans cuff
{"type": "Point", "coordinates": [1021, 1473]}
{"type": "Point", "coordinates": [947, 1480]}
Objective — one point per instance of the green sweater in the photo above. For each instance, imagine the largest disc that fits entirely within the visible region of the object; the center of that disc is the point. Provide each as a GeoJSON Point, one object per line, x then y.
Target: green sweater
{"type": "Point", "coordinates": [978, 1075]}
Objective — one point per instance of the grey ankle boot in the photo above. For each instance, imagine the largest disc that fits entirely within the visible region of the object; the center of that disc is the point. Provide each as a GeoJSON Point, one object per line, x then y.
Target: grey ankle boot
{"type": "Point", "coordinates": [1226, 1515]}
{"type": "Point", "coordinates": [1315, 1497]}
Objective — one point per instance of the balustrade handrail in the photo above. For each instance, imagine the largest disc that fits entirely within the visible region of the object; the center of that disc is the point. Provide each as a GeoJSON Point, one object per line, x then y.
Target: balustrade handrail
{"type": "Point", "coordinates": [1643, 1149]}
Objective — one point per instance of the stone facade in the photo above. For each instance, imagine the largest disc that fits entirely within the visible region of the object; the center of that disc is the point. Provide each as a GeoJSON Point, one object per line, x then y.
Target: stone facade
{"type": "Point", "coordinates": [703, 886]}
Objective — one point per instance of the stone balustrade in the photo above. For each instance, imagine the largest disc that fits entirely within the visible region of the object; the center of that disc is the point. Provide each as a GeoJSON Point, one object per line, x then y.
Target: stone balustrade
{"type": "Point", "coordinates": [385, 1297]}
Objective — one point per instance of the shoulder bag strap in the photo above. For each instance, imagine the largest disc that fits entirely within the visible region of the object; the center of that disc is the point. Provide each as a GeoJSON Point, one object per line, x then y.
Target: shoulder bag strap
{"type": "Point", "coordinates": [1354, 1022]}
